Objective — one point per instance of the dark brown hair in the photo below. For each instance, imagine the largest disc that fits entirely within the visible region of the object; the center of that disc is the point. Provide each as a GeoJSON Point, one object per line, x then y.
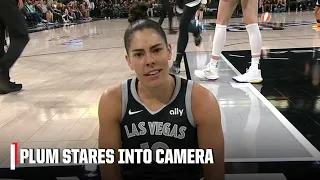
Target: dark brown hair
{"type": "Point", "coordinates": [138, 19]}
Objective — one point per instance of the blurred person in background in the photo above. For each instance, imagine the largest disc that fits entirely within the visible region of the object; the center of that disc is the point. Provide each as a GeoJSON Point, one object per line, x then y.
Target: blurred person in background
{"type": "Point", "coordinates": [167, 9]}
{"type": "Point", "coordinates": [15, 24]}
{"type": "Point", "coordinates": [46, 13]}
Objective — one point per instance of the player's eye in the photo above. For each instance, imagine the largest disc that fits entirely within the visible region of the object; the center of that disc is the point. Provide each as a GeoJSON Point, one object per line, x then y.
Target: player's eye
{"type": "Point", "coordinates": [138, 55]}
{"type": "Point", "coordinates": [157, 50]}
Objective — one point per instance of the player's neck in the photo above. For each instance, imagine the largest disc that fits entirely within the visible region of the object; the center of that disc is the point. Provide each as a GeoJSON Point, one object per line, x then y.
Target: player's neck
{"type": "Point", "coordinates": [161, 94]}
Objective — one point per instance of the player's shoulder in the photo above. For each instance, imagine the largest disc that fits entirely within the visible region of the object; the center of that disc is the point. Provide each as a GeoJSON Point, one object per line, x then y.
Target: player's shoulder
{"type": "Point", "coordinates": [115, 91]}
{"type": "Point", "coordinates": [112, 96]}
{"type": "Point", "coordinates": [112, 93]}
{"type": "Point", "coordinates": [110, 104]}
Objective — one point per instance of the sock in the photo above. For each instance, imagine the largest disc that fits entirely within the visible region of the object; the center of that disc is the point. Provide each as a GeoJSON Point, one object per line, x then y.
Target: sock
{"type": "Point", "coordinates": [214, 62]}
{"type": "Point", "coordinates": [255, 63]}
{"type": "Point", "coordinates": [255, 43]}
{"type": "Point", "coordinates": [219, 40]}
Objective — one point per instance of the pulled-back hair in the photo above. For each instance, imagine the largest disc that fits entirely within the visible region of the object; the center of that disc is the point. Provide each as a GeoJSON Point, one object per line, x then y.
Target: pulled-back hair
{"type": "Point", "coordinates": [138, 19]}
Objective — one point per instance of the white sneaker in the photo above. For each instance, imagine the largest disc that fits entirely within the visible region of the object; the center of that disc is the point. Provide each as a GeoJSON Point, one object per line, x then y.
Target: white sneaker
{"type": "Point", "coordinates": [209, 72]}
{"type": "Point", "coordinates": [251, 76]}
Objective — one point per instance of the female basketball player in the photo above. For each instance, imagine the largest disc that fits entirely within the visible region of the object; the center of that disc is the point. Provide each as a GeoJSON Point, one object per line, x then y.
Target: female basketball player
{"type": "Point", "coordinates": [250, 13]}
{"type": "Point", "coordinates": [157, 110]}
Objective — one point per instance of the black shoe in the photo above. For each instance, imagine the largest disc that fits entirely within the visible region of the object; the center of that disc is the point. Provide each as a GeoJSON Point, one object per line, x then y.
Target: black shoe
{"type": "Point", "coordinates": [175, 68]}
{"type": "Point", "coordinates": [16, 85]}
{"type": "Point", "coordinates": [197, 38]}
{"type": "Point", "coordinates": [8, 87]}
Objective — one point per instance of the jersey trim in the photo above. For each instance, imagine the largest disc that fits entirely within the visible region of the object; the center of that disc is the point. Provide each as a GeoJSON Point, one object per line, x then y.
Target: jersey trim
{"type": "Point", "coordinates": [124, 98]}
{"type": "Point", "coordinates": [136, 97]}
{"type": "Point", "coordinates": [188, 103]}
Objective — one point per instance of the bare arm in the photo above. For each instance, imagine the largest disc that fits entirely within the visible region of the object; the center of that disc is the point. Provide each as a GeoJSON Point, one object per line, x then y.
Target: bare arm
{"type": "Point", "coordinates": [207, 117]}
{"type": "Point", "coordinates": [109, 130]}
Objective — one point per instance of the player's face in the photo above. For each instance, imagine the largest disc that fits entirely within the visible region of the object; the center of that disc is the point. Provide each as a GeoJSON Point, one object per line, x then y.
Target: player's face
{"type": "Point", "coordinates": [148, 57]}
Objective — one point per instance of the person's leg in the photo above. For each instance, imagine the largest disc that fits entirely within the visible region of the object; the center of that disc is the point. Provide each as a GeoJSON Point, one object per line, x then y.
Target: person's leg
{"type": "Point", "coordinates": [2, 39]}
{"type": "Point", "coordinates": [4, 33]}
{"type": "Point", "coordinates": [47, 16]}
{"type": "Point", "coordinates": [184, 29]}
{"type": "Point", "coordinates": [317, 13]}
{"type": "Point", "coordinates": [197, 15]}
{"type": "Point", "coordinates": [19, 38]}
{"type": "Point", "coordinates": [163, 13]}
{"type": "Point", "coordinates": [250, 13]}
{"type": "Point", "coordinates": [36, 17]}
{"type": "Point", "coordinates": [170, 17]}
{"type": "Point", "coordinates": [4, 72]}
{"type": "Point", "coordinates": [51, 17]}
{"type": "Point", "coordinates": [225, 11]}
{"type": "Point", "coordinates": [167, 10]}
{"type": "Point", "coordinates": [201, 15]}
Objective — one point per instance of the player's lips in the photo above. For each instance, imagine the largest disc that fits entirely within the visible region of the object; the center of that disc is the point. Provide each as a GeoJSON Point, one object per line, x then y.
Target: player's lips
{"type": "Point", "coordinates": [153, 72]}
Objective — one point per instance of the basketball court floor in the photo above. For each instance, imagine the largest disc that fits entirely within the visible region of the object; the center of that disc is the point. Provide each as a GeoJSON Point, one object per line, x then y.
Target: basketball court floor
{"type": "Point", "coordinates": [272, 130]}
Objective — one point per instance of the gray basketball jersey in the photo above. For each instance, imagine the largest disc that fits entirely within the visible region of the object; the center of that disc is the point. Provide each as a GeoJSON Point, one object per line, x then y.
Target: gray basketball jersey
{"type": "Point", "coordinates": [171, 127]}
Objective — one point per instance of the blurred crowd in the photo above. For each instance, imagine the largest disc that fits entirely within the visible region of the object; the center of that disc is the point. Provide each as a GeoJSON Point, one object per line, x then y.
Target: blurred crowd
{"type": "Point", "coordinates": [44, 12]}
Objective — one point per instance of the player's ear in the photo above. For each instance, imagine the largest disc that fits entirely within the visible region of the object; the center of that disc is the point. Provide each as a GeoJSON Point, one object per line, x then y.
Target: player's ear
{"type": "Point", "coordinates": [169, 51]}
{"type": "Point", "coordinates": [129, 62]}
